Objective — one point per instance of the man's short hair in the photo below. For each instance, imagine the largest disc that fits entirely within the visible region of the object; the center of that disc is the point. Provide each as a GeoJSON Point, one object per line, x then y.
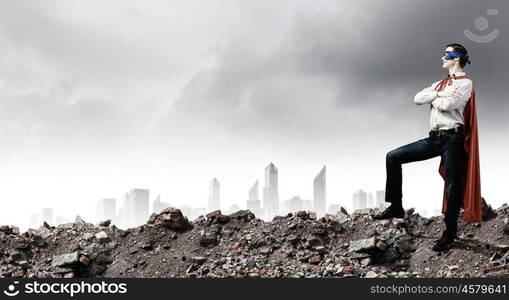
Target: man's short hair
{"type": "Point", "coordinates": [461, 49]}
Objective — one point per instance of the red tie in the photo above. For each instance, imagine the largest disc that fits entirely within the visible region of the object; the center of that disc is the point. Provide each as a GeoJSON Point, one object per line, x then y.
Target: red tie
{"type": "Point", "coordinates": [447, 81]}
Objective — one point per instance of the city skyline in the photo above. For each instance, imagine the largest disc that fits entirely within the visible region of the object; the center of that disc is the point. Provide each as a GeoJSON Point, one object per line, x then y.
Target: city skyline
{"type": "Point", "coordinates": [137, 206]}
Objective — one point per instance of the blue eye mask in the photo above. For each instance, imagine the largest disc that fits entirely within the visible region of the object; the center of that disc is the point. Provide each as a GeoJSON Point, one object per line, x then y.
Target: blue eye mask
{"type": "Point", "coordinates": [452, 55]}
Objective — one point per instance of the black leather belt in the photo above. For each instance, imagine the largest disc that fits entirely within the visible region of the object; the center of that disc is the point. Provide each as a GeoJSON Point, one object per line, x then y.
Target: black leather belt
{"type": "Point", "coordinates": [444, 132]}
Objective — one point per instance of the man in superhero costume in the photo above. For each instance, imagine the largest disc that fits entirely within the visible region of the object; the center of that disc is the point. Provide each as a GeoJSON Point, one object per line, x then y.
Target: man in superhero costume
{"type": "Point", "coordinates": [454, 138]}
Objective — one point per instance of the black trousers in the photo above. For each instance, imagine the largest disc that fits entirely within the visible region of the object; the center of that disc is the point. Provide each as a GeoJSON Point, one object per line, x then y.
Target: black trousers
{"type": "Point", "coordinates": [451, 149]}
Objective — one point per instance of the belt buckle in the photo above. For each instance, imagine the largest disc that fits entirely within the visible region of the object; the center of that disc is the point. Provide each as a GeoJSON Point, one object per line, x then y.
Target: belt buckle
{"type": "Point", "coordinates": [434, 133]}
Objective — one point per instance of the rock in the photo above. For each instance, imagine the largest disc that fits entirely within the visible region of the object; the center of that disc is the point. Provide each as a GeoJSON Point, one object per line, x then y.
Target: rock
{"type": "Point", "coordinates": [293, 240]}
{"type": "Point", "coordinates": [341, 217]}
{"type": "Point", "coordinates": [266, 251]}
{"type": "Point", "coordinates": [102, 237]}
{"type": "Point", "coordinates": [321, 250]}
{"type": "Point", "coordinates": [213, 214]}
{"type": "Point", "coordinates": [371, 274]}
{"type": "Point", "coordinates": [18, 273]}
{"type": "Point", "coordinates": [315, 259]}
{"type": "Point", "coordinates": [338, 228]}
{"type": "Point", "coordinates": [40, 242]}
{"type": "Point", "coordinates": [84, 260]}
{"type": "Point", "coordinates": [404, 244]}
{"type": "Point", "coordinates": [453, 268]}
{"type": "Point", "coordinates": [5, 229]}
{"type": "Point", "coordinates": [147, 246]}
{"type": "Point", "coordinates": [362, 245]}
{"type": "Point", "coordinates": [208, 238]}
{"type": "Point", "coordinates": [64, 260]}
{"type": "Point", "coordinates": [348, 270]}
{"type": "Point", "coordinates": [363, 211]}
{"type": "Point", "coordinates": [79, 221]}
{"type": "Point", "coordinates": [487, 212]}
{"type": "Point", "coordinates": [343, 210]}
{"type": "Point", "coordinates": [505, 229]}
{"type": "Point", "coordinates": [105, 223]}
{"type": "Point", "coordinates": [88, 236]}
{"type": "Point", "coordinates": [171, 218]}
{"type": "Point", "coordinates": [14, 230]}
{"type": "Point", "coordinates": [45, 232]}
{"type": "Point", "coordinates": [366, 261]}
{"type": "Point", "coordinates": [66, 225]}
{"type": "Point", "coordinates": [399, 223]}
{"type": "Point", "coordinates": [381, 245]}
{"type": "Point", "coordinates": [401, 263]}
{"type": "Point", "coordinates": [152, 218]}
{"type": "Point", "coordinates": [241, 214]}
{"type": "Point", "coordinates": [199, 260]}
{"type": "Point", "coordinates": [302, 214]}
{"type": "Point", "coordinates": [330, 219]}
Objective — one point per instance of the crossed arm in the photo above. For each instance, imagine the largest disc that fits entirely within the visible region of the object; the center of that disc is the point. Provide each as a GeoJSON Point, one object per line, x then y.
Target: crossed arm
{"type": "Point", "coordinates": [445, 100]}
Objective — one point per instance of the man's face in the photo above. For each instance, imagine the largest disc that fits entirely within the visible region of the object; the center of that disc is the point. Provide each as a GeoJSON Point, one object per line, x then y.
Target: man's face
{"type": "Point", "coordinates": [446, 64]}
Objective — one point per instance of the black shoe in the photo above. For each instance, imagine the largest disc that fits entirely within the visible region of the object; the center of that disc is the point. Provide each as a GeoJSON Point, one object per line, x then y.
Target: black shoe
{"type": "Point", "coordinates": [390, 212]}
{"type": "Point", "coordinates": [445, 242]}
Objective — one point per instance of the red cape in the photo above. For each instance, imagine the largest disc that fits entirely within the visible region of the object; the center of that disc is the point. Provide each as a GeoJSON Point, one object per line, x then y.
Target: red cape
{"type": "Point", "coordinates": [471, 181]}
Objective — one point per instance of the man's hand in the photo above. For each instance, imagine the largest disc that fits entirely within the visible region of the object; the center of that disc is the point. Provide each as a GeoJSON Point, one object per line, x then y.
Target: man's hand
{"type": "Point", "coordinates": [454, 94]}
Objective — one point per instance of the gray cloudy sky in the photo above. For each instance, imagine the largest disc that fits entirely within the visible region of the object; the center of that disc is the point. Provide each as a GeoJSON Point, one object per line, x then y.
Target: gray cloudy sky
{"type": "Point", "coordinates": [98, 97]}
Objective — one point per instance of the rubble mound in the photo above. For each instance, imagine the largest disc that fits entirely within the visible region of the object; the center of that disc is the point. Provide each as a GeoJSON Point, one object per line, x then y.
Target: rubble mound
{"type": "Point", "coordinates": [241, 245]}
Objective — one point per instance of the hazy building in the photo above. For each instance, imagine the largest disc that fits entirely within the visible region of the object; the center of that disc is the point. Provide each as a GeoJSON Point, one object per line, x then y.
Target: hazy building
{"type": "Point", "coordinates": [198, 211]}
{"type": "Point", "coordinates": [253, 202]}
{"type": "Point", "coordinates": [214, 200]}
{"type": "Point", "coordinates": [360, 199]}
{"type": "Point", "coordinates": [270, 191]}
{"type": "Point", "coordinates": [371, 201]}
{"type": "Point", "coordinates": [126, 212]}
{"type": "Point", "coordinates": [158, 205]}
{"type": "Point", "coordinates": [106, 209]}
{"type": "Point", "coordinates": [295, 204]}
{"type": "Point", "coordinates": [33, 221]}
{"type": "Point", "coordinates": [380, 198]}
{"type": "Point", "coordinates": [47, 215]}
{"type": "Point", "coordinates": [307, 204]}
{"type": "Point", "coordinates": [141, 203]}
{"type": "Point", "coordinates": [135, 208]}
{"type": "Point", "coordinates": [186, 211]}
{"type": "Point", "coordinates": [319, 201]}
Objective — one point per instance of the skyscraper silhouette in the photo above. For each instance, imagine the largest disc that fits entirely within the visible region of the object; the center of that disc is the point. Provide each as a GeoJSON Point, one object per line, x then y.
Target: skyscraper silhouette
{"type": "Point", "coordinates": [214, 200]}
{"type": "Point", "coordinates": [270, 191]}
{"type": "Point", "coordinates": [319, 201]}
{"type": "Point", "coordinates": [106, 209]}
{"type": "Point", "coordinates": [253, 202]}
{"type": "Point", "coordinates": [360, 199]}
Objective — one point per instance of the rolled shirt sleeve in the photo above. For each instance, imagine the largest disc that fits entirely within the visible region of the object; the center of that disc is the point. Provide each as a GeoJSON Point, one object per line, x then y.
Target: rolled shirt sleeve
{"type": "Point", "coordinates": [427, 95]}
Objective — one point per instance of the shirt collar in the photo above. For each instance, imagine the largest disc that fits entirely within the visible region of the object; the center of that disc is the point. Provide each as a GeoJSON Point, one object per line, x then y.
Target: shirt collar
{"type": "Point", "coordinates": [457, 74]}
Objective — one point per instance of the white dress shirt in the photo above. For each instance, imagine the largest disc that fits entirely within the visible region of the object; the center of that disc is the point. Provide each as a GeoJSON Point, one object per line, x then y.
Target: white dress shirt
{"type": "Point", "coordinates": [446, 112]}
